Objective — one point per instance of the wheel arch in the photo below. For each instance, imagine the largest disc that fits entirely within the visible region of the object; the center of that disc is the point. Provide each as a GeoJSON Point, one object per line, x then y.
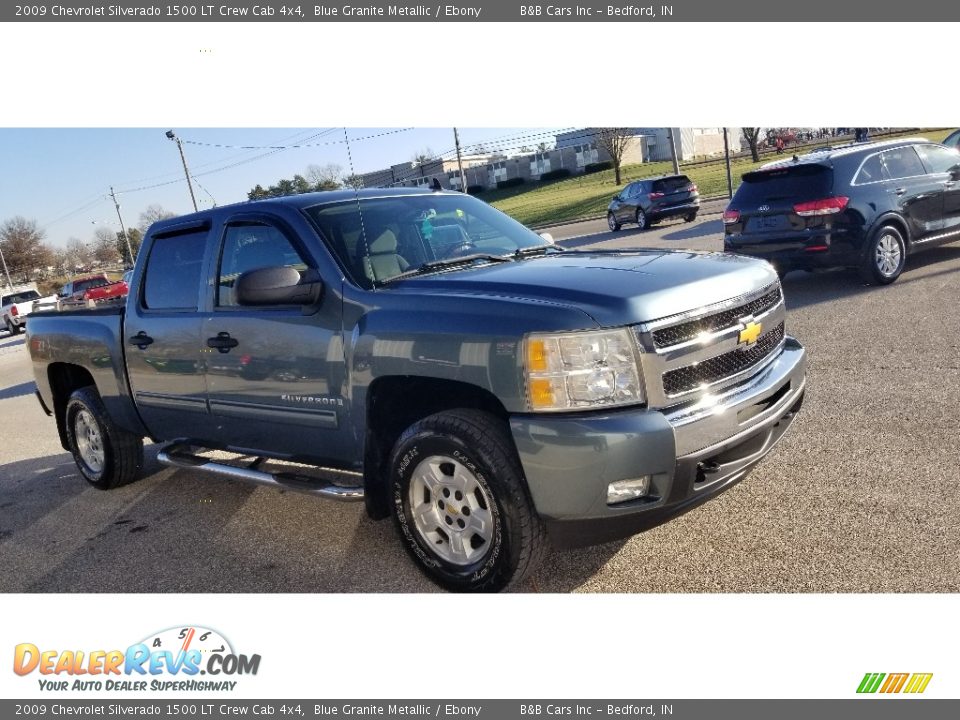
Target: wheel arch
{"type": "Point", "coordinates": [64, 379]}
{"type": "Point", "coordinates": [394, 403]}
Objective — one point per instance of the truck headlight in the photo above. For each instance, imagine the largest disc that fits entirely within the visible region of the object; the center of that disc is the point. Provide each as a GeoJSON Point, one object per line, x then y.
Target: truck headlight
{"type": "Point", "coordinates": [582, 370]}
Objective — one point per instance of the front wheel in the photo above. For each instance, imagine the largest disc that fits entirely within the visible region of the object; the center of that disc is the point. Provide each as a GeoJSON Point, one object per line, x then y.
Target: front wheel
{"type": "Point", "coordinates": [885, 257]}
{"type": "Point", "coordinates": [460, 503]}
{"type": "Point", "coordinates": [108, 456]}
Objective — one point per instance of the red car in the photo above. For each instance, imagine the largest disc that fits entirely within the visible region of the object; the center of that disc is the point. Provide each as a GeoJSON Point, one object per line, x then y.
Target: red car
{"type": "Point", "coordinates": [92, 288]}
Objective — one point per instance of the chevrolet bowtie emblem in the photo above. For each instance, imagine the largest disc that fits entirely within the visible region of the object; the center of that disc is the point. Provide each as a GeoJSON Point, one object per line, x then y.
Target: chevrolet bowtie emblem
{"type": "Point", "coordinates": [751, 331]}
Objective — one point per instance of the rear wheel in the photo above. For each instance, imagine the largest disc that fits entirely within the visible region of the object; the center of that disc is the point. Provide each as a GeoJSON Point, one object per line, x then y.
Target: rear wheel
{"type": "Point", "coordinates": [689, 217]}
{"type": "Point", "coordinates": [460, 502]}
{"type": "Point", "coordinates": [885, 257]}
{"type": "Point", "coordinates": [107, 455]}
{"type": "Point", "coordinates": [11, 328]}
{"type": "Point", "coordinates": [642, 221]}
{"type": "Point", "coordinates": [612, 222]}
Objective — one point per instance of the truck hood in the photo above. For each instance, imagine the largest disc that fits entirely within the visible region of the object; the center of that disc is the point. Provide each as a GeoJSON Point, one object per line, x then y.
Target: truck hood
{"type": "Point", "coordinates": [613, 287]}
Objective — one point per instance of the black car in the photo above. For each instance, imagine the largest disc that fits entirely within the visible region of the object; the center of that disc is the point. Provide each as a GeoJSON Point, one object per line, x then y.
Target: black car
{"type": "Point", "coordinates": [866, 206]}
{"type": "Point", "coordinates": [644, 202]}
{"type": "Point", "coordinates": [953, 139]}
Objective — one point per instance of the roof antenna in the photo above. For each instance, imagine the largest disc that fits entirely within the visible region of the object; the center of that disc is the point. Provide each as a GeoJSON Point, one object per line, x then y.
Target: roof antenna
{"type": "Point", "coordinates": [356, 195]}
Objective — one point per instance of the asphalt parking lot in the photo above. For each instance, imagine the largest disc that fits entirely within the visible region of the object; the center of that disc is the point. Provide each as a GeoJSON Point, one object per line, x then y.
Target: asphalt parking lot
{"type": "Point", "coordinates": [861, 496]}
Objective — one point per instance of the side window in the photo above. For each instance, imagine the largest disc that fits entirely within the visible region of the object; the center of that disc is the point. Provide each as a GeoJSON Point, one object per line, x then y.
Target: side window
{"type": "Point", "coordinates": [172, 280]}
{"type": "Point", "coordinates": [250, 246]}
{"type": "Point", "coordinates": [871, 171]}
{"type": "Point", "coordinates": [902, 163]}
{"type": "Point", "coordinates": [938, 159]}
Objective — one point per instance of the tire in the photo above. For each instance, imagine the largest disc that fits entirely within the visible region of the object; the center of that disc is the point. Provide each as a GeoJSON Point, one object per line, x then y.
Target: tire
{"type": "Point", "coordinates": [690, 217]}
{"type": "Point", "coordinates": [884, 258]}
{"type": "Point", "coordinates": [642, 221]}
{"type": "Point", "coordinates": [106, 455]}
{"type": "Point", "coordinates": [459, 468]}
{"type": "Point", "coordinates": [612, 222]}
{"type": "Point", "coordinates": [12, 329]}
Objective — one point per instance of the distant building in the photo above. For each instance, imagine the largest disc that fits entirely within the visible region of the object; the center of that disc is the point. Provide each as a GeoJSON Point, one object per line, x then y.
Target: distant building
{"type": "Point", "coordinates": [653, 144]}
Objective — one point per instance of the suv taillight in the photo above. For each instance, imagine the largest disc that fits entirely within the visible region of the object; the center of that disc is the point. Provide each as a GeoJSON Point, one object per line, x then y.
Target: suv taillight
{"type": "Point", "coordinates": [14, 311]}
{"type": "Point", "coordinates": [655, 196]}
{"type": "Point", "coordinates": [730, 216]}
{"type": "Point", "coordinates": [826, 206]}
{"type": "Point", "coordinates": [693, 188]}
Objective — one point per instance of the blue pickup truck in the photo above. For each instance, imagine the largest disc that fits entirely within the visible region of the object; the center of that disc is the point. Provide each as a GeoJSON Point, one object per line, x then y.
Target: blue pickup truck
{"type": "Point", "coordinates": [426, 354]}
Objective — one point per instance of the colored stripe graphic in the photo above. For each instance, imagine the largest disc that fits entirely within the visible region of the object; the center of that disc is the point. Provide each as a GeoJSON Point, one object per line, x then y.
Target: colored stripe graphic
{"type": "Point", "coordinates": [918, 682]}
{"type": "Point", "coordinates": [894, 682]}
{"type": "Point", "coordinates": [870, 682]}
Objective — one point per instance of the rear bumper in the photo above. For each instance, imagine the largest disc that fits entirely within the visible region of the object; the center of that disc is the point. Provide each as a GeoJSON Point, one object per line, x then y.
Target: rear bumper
{"type": "Point", "coordinates": [826, 249]}
{"type": "Point", "coordinates": [675, 210]}
{"type": "Point", "coordinates": [691, 454]}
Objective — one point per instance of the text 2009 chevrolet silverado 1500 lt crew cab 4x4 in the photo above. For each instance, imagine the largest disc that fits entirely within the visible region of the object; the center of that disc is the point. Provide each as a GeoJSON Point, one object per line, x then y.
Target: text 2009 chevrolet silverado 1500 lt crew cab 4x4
{"type": "Point", "coordinates": [484, 387]}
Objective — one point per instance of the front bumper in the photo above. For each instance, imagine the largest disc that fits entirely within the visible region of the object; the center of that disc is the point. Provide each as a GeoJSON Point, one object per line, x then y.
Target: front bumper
{"type": "Point", "coordinates": [692, 453]}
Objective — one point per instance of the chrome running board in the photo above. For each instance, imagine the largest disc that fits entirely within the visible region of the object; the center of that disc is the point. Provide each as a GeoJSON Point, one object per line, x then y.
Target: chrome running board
{"type": "Point", "coordinates": [181, 456]}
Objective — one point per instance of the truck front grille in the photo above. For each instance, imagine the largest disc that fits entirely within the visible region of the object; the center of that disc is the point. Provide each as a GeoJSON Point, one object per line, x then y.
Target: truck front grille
{"type": "Point", "coordinates": [685, 379]}
{"type": "Point", "coordinates": [677, 334]}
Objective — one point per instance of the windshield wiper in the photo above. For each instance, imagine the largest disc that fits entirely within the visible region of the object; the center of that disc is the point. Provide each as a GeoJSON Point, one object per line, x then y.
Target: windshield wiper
{"type": "Point", "coordinates": [536, 250]}
{"type": "Point", "coordinates": [449, 262]}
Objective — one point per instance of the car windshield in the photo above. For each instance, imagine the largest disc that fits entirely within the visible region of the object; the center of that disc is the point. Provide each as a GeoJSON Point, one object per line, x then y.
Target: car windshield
{"type": "Point", "coordinates": [376, 239]}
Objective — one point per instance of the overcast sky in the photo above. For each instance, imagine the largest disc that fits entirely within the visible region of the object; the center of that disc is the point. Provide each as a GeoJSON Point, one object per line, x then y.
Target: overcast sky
{"type": "Point", "coordinates": [61, 177]}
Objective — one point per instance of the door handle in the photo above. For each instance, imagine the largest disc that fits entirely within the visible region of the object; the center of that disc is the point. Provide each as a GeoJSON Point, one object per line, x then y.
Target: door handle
{"type": "Point", "coordinates": [900, 191]}
{"type": "Point", "coordinates": [222, 342]}
{"type": "Point", "coordinates": [141, 340]}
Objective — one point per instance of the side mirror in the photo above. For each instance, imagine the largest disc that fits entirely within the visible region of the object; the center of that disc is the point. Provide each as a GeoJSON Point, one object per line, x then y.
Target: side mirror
{"type": "Point", "coordinates": [954, 172]}
{"type": "Point", "coordinates": [281, 285]}
{"type": "Point", "coordinates": [547, 237]}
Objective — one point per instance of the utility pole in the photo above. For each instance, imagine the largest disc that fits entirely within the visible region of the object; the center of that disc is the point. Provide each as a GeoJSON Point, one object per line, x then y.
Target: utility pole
{"type": "Point", "coordinates": [463, 178]}
{"type": "Point", "coordinates": [673, 151]}
{"type": "Point", "coordinates": [123, 229]}
{"type": "Point", "coordinates": [172, 136]}
{"type": "Point", "coordinates": [5, 270]}
{"type": "Point", "coordinates": [726, 154]}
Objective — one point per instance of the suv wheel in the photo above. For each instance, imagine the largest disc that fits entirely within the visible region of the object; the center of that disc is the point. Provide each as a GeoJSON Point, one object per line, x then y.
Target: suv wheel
{"type": "Point", "coordinates": [460, 503]}
{"type": "Point", "coordinates": [690, 217]}
{"type": "Point", "coordinates": [107, 455]}
{"type": "Point", "coordinates": [612, 222]}
{"type": "Point", "coordinates": [642, 222]}
{"type": "Point", "coordinates": [11, 328]}
{"type": "Point", "coordinates": [885, 257]}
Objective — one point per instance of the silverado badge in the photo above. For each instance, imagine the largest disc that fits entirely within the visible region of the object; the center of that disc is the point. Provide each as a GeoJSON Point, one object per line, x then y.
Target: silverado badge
{"type": "Point", "coordinates": [750, 332]}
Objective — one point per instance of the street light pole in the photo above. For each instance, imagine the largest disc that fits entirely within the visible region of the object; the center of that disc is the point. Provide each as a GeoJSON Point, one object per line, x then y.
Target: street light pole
{"type": "Point", "coordinates": [172, 136]}
{"type": "Point", "coordinates": [726, 153]}
{"type": "Point", "coordinates": [123, 229]}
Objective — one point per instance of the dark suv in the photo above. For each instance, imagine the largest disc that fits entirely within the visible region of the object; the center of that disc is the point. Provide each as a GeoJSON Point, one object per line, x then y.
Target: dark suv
{"type": "Point", "coordinates": [644, 202]}
{"type": "Point", "coordinates": [866, 206]}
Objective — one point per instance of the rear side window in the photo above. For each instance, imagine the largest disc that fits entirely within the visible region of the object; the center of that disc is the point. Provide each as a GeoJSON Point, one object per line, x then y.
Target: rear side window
{"type": "Point", "coordinates": [18, 298]}
{"type": "Point", "coordinates": [871, 171]}
{"type": "Point", "coordinates": [172, 280]}
{"type": "Point", "coordinates": [800, 182]}
{"type": "Point", "coordinates": [671, 184]}
{"type": "Point", "coordinates": [902, 163]}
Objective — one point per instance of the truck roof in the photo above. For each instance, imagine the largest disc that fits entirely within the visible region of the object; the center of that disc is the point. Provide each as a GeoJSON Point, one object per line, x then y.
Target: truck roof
{"type": "Point", "coordinates": [304, 200]}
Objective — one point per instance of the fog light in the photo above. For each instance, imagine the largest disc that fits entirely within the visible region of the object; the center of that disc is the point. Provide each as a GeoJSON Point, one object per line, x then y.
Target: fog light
{"type": "Point", "coordinates": [625, 490]}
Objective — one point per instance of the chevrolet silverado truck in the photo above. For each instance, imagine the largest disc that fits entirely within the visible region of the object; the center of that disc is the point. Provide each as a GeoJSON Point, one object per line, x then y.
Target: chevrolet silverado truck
{"type": "Point", "coordinates": [427, 355]}
{"type": "Point", "coordinates": [17, 304]}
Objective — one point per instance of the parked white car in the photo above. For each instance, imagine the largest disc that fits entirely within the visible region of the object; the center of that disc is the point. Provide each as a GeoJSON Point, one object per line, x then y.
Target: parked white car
{"type": "Point", "coordinates": [16, 305]}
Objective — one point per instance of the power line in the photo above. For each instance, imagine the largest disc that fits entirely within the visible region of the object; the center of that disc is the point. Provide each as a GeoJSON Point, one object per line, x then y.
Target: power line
{"type": "Point", "coordinates": [299, 145]}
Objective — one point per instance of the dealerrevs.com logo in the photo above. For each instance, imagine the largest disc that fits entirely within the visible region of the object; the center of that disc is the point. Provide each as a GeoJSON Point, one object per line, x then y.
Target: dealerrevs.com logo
{"type": "Point", "coordinates": [173, 659]}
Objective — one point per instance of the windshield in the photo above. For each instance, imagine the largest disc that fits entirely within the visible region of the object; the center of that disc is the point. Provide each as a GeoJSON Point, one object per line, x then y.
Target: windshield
{"type": "Point", "coordinates": [377, 239]}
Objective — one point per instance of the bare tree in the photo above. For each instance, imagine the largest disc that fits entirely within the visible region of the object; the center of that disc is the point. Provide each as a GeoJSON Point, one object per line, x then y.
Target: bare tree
{"type": "Point", "coordinates": [23, 248]}
{"type": "Point", "coordinates": [105, 245]}
{"type": "Point", "coordinates": [614, 141]}
{"type": "Point", "coordinates": [752, 136]}
{"type": "Point", "coordinates": [325, 177]}
{"type": "Point", "coordinates": [152, 214]}
{"type": "Point", "coordinates": [353, 181]}
{"type": "Point", "coordinates": [422, 158]}
{"type": "Point", "coordinates": [78, 254]}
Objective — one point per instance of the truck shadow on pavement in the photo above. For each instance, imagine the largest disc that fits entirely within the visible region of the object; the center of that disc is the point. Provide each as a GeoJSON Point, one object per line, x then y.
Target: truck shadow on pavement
{"type": "Point", "coordinates": [188, 532]}
{"type": "Point", "coordinates": [708, 228]}
{"type": "Point", "coordinates": [13, 391]}
{"type": "Point", "coordinates": [803, 289]}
